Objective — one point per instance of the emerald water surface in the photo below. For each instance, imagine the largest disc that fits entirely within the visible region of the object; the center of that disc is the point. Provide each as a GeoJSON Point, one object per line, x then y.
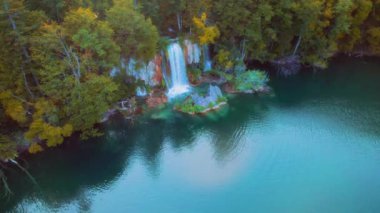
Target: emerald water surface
{"type": "Point", "coordinates": [313, 146]}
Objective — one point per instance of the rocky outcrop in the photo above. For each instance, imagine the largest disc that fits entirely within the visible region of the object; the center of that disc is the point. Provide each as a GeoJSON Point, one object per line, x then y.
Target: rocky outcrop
{"type": "Point", "coordinates": [157, 98]}
{"type": "Point", "coordinates": [287, 66]}
{"type": "Point", "coordinates": [158, 77]}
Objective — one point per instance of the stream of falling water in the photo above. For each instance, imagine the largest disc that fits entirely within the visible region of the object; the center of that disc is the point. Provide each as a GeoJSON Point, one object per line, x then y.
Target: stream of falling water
{"type": "Point", "coordinates": [180, 82]}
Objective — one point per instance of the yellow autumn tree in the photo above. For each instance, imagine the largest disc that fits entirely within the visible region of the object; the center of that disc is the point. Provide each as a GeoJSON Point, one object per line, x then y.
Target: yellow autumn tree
{"type": "Point", "coordinates": [14, 107]}
{"type": "Point", "coordinates": [41, 130]}
{"type": "Point", "coordinates": [205, 34]}
{"type": "Point", "coordinates": [223, 59]}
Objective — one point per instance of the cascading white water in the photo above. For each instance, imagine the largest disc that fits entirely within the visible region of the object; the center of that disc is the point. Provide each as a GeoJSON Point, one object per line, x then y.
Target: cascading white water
{"type": "Point", "coordinates": [143, 72]}
{"type": "Point", "coordinates": [141, 92]}
{"type": "Point", "coordinates": [207, 59]}
{"type": "Point", "coordinates": [193, 52]}
{"type": "Point", "coordinates": [179, 80]}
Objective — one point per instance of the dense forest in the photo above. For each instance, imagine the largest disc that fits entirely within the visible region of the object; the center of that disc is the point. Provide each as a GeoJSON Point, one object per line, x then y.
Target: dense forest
{"type": "Point", "coordinates": [56, 55]}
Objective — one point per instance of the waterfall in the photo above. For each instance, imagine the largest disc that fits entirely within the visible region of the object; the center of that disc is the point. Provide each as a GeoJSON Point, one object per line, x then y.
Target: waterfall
{"type": "Point", "coordinates": [212, 97]}
{"type": "Point", "coordinates": [143, 71]}
{"type": "Point", "coordinates": [193, 52]}
{"type": "Point", "coordinates": [214, 92]}
{"type": "Point", "coordinates": [179, 81]}
{"type": "Point", "coordinates": [141, 92]}
{"type": "Point", "coordinates": [139, 70]}
{"type": "Point", "coordinates": [117, 70]}
{"type": "Point", "coordinates": [207, 59]}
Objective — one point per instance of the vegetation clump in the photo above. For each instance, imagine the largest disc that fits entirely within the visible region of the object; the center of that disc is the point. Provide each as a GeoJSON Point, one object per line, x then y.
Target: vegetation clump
{"type": "Point", "coordinates": [190, 107]}
{"type": "Point", "coordinates": [194, 74]}
{"type": "Point", "coordinates": [251, 81]}
{"type": "Point", "coordinates": [8, 149]}
{"type": "Point", "coordinates": [200, 103]}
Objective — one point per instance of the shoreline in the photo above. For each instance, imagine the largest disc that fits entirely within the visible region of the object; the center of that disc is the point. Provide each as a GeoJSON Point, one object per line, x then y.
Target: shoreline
{"type": "Point", "coordinates": [214, 108]}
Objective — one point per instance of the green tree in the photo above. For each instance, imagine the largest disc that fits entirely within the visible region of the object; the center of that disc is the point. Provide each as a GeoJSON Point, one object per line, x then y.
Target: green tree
{"type": "Point", "coordinates": [371, 29]}
{"type": "Point", "coordinates": [16, 71]}
{"type": "Point", "coordinates": [57, 9]}
{"type": "Point", "coordinates": [373, 38]}
{"type": "Point", "coordinates": [205, 34]}
{"type": "Point", "coordinates": [167, 15]}
{"type": "Point", "coordinates": [361, 10]}
{"type": "Point", "coordinates": [74, 60]}
{"type": "Point", "coordinates": [136, 35]}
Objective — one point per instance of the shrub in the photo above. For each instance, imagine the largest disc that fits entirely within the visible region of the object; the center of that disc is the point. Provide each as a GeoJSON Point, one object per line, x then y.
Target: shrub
{"type": "Point", "coordinates": [251, 80]}
{"type": "Point", "coordinates": [194, 74]}
{"type": "Point", "coordinates": [188, 106]}
{"type": "Point", "coordinates": [228, 77]}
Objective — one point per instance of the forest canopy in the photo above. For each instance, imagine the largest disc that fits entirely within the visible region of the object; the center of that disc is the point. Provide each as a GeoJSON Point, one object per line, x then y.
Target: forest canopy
{"type": "Point", "coordinates": [56, 55]}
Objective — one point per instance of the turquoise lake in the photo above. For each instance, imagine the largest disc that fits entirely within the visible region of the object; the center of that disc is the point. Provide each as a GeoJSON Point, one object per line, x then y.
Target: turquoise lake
{"type": "Point", "coordinates": [311, 146]}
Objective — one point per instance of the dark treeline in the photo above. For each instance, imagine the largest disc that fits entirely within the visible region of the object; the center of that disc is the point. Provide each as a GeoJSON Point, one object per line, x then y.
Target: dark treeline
{"type": "Point", "coordinates": [267, 30]}
{"type": "Point", "coordinates": [56, 55]}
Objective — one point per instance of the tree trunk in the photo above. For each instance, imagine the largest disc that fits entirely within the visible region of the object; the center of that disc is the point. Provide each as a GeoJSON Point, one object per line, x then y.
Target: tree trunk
{"type": "Point", "coordinates": [25, 171]}
{"type": "Point", "coordinates": [179, 22]}
{"type": "Point", "coordinates": [243, 49]}
{"type": "Point", "coordinates": [297, 45]}
{"type": "Point", "coordinates": [75, 68]}
{"type": "Point", "coordinates": [3, 179]}
{"type": "Point", "coordinates": [136, 4]}
{"type": "Point", "coordinates": [23, 48]}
